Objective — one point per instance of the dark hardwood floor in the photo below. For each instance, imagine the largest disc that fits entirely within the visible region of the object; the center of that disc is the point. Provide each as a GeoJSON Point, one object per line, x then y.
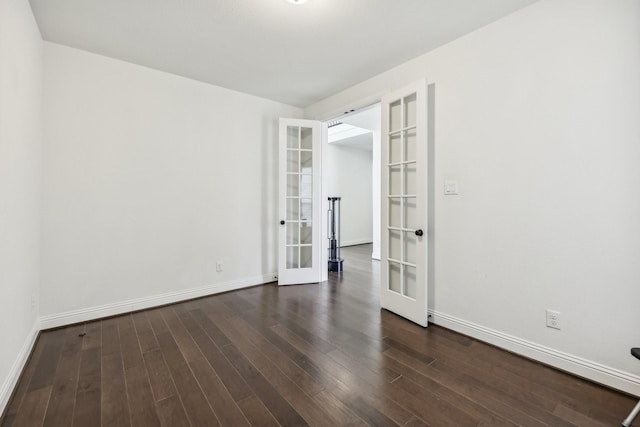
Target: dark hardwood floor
{"type": "Point", "coordinates": [321, 355]}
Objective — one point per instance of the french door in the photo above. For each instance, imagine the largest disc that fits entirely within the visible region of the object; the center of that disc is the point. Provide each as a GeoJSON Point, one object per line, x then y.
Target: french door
{"type": "Point", "coordinates": [404, 200]}
{"type": "Point", "coordinates": [299, 202]}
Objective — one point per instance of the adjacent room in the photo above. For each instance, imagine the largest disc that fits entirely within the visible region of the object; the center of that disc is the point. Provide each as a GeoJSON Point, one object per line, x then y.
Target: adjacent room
{"type": "Point", "coordinates": [164, 174]}
{"type": "Point", "coordinates": [353, 141]}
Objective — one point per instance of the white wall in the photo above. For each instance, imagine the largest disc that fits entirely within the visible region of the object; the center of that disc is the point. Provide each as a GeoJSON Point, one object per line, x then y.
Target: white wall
{"type": "Point", "coordinates": [349, 177]}
{"type": "Point", "coordinates": [149, 179]}
{"type": "Point", "coordinates": [20, 186]}
{"type": "Point", "coordinates": [537, 117]}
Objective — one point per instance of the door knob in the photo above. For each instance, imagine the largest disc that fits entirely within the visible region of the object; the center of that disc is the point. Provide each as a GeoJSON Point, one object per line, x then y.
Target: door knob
{"type": "Point", "coordinates": [282, 222]}
{"type": "Point", "coordinates": [419, 232]}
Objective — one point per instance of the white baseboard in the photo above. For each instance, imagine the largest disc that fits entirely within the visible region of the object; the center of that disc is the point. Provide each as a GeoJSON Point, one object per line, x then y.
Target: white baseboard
{"type": "Point", "coordinates": [375, 254]}
{"type": "Point", "coordinates": [18, 365]}
{"type": "Point", "coordinates": [355, 242]}
{"type": "Point", "coordinates": [92, 313]}
{"type": "Point", "coordinates": [593, 371]}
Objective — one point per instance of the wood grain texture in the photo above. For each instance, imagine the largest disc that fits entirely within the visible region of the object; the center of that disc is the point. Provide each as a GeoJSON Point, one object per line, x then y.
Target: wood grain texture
{"type": "Point", "coordinates": [320, 355]}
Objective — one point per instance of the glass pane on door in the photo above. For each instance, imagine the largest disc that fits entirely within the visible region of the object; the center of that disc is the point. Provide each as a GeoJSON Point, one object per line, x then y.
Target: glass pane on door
{"type": "Point", "coordinates": [299, 229]}
{"type": "Point", "coordinates": [402, 187]}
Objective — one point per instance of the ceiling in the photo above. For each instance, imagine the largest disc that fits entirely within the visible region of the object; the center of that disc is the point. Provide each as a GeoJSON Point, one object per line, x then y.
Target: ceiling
{"type": "Point", "coordinates": [295, 54]}
{"type": "Point", "coordinates": [356, 129]}
{"type": "Point", "coordinates": [351, 136]}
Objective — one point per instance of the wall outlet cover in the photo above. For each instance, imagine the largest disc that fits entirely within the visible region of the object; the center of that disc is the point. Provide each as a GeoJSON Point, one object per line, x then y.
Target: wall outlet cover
{"type": "Point", "coordinates": [553, 319]}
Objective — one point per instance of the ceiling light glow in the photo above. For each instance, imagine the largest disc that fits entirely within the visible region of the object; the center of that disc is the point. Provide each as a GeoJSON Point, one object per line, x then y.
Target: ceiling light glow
{"type": "Point", "coordinates": [297, 1]}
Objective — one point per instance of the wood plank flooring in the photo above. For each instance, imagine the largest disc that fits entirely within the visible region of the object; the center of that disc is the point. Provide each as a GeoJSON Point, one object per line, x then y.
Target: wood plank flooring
{"type": "Point", "coordinates": [321, 355]}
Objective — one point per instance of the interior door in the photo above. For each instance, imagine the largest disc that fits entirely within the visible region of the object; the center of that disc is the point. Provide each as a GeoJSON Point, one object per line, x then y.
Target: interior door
{"type": "Point", "coordinates": [404, 199]}
{"type": "Point", "coordinates": [299, 259]}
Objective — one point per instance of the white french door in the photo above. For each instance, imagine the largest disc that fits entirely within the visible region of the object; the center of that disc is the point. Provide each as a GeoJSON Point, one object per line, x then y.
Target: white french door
{"type": "Point", "coordinates": [404, 203]}
{"type": "Point", "coordinates": [299, 259]}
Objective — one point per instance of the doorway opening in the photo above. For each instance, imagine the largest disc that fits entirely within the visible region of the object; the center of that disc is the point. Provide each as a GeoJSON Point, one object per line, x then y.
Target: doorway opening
{"type": "Point", "coordinates": [351, 170]}
{"type": "Point", "coordinates": [400, 157]}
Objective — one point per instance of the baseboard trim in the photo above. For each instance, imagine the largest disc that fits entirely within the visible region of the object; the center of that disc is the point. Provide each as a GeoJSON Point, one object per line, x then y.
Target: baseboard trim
{"type": "Point", "coordinates": [113, 309]}
{"type": "Point", "coordinates": [581, 367]}
{"type": "Point", "coordinates": [355, 242]}
{"type": "Point", "coordinates": [18, 365]}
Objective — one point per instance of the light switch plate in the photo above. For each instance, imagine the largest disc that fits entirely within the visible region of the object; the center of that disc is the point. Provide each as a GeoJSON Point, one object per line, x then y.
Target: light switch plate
{"type": "Point", "coordinates": [450, 188]}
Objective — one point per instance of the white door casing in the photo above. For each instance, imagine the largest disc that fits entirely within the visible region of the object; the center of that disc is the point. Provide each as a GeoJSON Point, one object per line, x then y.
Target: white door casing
{"type": "Point", "coordinates": [299, 245]}
{"type": "Point", "coordinates": [404, 202]}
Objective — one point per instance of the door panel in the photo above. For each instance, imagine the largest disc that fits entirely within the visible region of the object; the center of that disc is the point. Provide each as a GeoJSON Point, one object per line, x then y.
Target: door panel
{"type": "Point", "coordinates": [404, 199]}
{"type": "Point", "coordinates": [299, 202]}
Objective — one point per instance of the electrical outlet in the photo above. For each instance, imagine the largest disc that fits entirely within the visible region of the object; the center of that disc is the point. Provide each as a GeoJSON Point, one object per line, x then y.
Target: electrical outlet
{"type": "Point", "coordinates": [219, 266]}
{"type": "Point", "coordinates": [553, 319]}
